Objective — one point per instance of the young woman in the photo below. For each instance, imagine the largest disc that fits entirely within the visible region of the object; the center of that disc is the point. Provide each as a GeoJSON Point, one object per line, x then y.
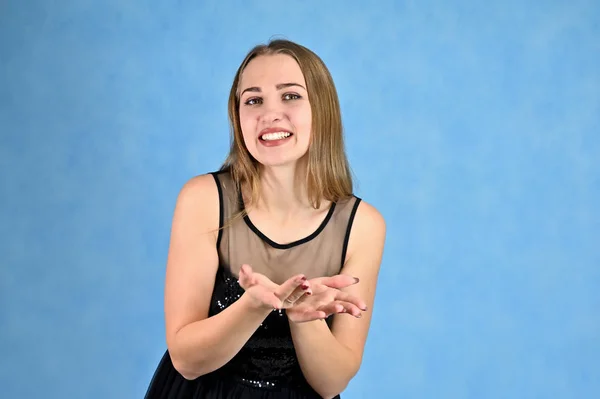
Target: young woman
{"type": "Point", "coordinates": [273, 262]}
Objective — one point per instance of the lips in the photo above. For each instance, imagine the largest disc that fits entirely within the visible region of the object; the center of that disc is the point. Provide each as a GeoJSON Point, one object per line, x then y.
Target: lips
{"type": "Point", "coordinates": [274, 130]}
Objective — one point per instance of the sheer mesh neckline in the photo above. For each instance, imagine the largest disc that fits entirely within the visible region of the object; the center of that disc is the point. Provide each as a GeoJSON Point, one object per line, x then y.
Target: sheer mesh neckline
{"type": "Point", "coordinates": [277, 245]}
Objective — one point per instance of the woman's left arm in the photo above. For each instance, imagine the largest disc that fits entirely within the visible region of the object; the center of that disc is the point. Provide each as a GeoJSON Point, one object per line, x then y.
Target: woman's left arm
{"type": "Point", "coordinates": [329, 359]}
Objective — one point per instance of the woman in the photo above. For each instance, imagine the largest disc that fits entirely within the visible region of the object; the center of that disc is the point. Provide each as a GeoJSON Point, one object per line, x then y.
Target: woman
{"type": "Point", "coordinates": [272, 260]}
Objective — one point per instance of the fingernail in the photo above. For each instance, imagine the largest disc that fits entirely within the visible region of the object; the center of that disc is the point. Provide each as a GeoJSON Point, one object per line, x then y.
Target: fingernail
{"type": "Point", "coordinates": [304, 286]}
{"type": "Point", "coordinates": [356, 280]}
{"type": "Point", "coordinates": [303, 278]}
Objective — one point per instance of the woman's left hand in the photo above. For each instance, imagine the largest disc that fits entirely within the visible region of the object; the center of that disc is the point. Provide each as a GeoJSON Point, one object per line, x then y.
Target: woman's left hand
{"type": "Point", "coordinates": [319, 298]}
{"type": "Point", "coordinates": [327, 298]}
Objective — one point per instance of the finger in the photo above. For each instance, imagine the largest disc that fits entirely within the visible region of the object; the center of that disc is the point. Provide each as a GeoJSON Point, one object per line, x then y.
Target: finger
{"type": "Point", "coordinates": [299, 292]}
{"type": "Point", "coordinates": [338, 307]}
{"type": "Point", "coordinates": [342, 307]}
{"type": "Point", "coordinates": [292, 300]}
{"type": "Point", "coordinates": [332, 308]}
{"type": "Point", "coordinates": [289, 286]}
{"type": "Point", "coordinates": [352, 299]}
{"type": "Point", "coordinates": [245, 278]}
{"type": "Point", "coordinates": [338, 281]}
{"type": "Point", "coordinates": [263, 280]}
{"type": "Point", "coordinates": [268, 298]}
{"type": "Point", "coordinates": [252, 278]}
{"type": "Point", "coordinates": [246, 269]}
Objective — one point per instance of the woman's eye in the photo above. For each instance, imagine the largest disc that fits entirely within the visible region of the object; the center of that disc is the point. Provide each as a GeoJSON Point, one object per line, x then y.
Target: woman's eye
{"type": "Point", "coordinates": [291, 96]}
{"type": "Point", "coordinates": [252, 101]}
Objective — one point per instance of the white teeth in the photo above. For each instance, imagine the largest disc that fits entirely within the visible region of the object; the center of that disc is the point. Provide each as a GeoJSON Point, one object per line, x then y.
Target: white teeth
{"type": "Point", "coordinates": [275, 136]}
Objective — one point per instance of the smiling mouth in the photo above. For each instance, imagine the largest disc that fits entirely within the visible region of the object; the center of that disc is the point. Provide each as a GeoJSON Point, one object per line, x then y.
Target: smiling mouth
{"type": "Point", "coordinates": [275, 136]}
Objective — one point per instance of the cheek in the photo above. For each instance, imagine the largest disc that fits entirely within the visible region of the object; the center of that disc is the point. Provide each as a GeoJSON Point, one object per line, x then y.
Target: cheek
{"type": "Point", "coordinates": [245, 116]}
{"type": "Point", "coordinates": [303, 119]}
{"type": "Point", "coordinates": [247, 123]}
{"type": "Point", "coordinates": [307, 126]}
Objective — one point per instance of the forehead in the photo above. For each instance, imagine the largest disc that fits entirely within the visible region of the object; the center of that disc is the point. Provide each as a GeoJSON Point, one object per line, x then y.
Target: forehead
{"type": "Point", "coordinates": [270, 70]}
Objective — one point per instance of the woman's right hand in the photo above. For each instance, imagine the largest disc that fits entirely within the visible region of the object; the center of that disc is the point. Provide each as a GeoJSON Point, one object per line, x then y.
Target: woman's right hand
{"type": "Point", "coordinates": [265, 294]}
{"type": "Point", "coordinates": [327, 299]}
{"type": "Point", "coordinates": [296, 295]}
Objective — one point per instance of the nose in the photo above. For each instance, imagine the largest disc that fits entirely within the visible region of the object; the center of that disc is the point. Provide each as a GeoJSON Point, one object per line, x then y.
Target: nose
{"type": "Point", "coordinates": [271, 114]}
{"type": "Point", "coordinates": [271, 117]}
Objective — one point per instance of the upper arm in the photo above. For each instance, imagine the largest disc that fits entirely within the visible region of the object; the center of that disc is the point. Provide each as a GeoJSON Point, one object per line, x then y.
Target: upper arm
{"type": "Point", "coordinates": [192, 259]}
{"type": "Point", "coordinates": [365, 251]}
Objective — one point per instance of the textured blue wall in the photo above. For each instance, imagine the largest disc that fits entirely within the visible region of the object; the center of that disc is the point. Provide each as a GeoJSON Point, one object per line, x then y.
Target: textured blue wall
{"type": "Point", "coordinates": [474, 128]}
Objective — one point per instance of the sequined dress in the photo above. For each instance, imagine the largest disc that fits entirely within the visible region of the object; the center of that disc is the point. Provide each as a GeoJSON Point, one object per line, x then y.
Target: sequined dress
{"type": "Point", "coordinates": [267, 366]}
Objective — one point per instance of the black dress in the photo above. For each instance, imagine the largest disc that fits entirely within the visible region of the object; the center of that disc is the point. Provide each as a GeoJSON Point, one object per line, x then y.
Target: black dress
{"type": "Point", "coordinates": [267, 366]}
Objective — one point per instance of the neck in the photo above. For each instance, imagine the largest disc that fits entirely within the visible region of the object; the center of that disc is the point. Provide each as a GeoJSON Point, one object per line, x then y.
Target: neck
{"type": "Point", "coordinates": [283, 190]}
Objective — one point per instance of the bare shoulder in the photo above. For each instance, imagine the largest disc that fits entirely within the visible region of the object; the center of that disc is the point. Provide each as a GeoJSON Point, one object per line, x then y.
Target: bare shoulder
{"type": "Point", "coordinates": [367, 216]}
{"type": "Point", "coordinates": [368, 231]}
{"type": "Point", "coordinates": [199, 188]}
{"type": "Point", "coordinates": [199, 199]}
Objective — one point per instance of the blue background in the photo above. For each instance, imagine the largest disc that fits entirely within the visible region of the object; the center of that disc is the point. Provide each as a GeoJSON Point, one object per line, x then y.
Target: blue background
{"type": "Point", "coordinates": [474, 128]}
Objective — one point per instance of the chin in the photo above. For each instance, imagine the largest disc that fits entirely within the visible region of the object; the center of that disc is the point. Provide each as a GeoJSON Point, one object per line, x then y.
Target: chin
{"type": "Point", "coordinates": [280, 161]}
{"type": "Point", "coordinates": [277, 163]}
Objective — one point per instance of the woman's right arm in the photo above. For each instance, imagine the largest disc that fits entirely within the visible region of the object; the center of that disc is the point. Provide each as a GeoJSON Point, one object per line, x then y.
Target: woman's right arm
{"type": "Point", "coordinates": [198, 344]}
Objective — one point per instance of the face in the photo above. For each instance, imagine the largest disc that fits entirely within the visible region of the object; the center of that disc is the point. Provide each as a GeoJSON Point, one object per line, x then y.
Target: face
{"type": "Point", "coordinates": [275, 114]}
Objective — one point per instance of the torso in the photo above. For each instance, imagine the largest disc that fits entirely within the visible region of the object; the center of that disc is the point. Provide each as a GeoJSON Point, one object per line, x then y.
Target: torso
{"type": "Point", "coordinates": [267, 363]}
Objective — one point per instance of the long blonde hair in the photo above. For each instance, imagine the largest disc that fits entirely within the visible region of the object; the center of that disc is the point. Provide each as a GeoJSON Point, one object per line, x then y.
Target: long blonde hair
{"type": "Point", "coordinates": [328, 172]}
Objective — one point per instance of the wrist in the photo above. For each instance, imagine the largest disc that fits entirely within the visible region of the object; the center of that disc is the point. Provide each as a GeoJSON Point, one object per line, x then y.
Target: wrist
{"type": "Point", "coordinates": [252, 306]}
{"type": "Point", "coordinates": [307, 325]}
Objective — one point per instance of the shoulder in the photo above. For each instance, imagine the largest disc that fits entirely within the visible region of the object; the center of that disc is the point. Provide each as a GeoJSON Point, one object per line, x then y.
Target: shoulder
{"type": "Point", "coordinates": [199, 199]}
{"type": "Point", "coordinates": [368, 220]}
{"type": "Point", "coordinates": [368, 231]}
{"type": "Point", "coordinates": [199, 188]}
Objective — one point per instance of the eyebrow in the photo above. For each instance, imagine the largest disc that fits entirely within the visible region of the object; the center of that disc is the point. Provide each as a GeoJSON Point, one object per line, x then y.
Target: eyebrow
{"type": "Point", "coordinates": [278, 87]}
